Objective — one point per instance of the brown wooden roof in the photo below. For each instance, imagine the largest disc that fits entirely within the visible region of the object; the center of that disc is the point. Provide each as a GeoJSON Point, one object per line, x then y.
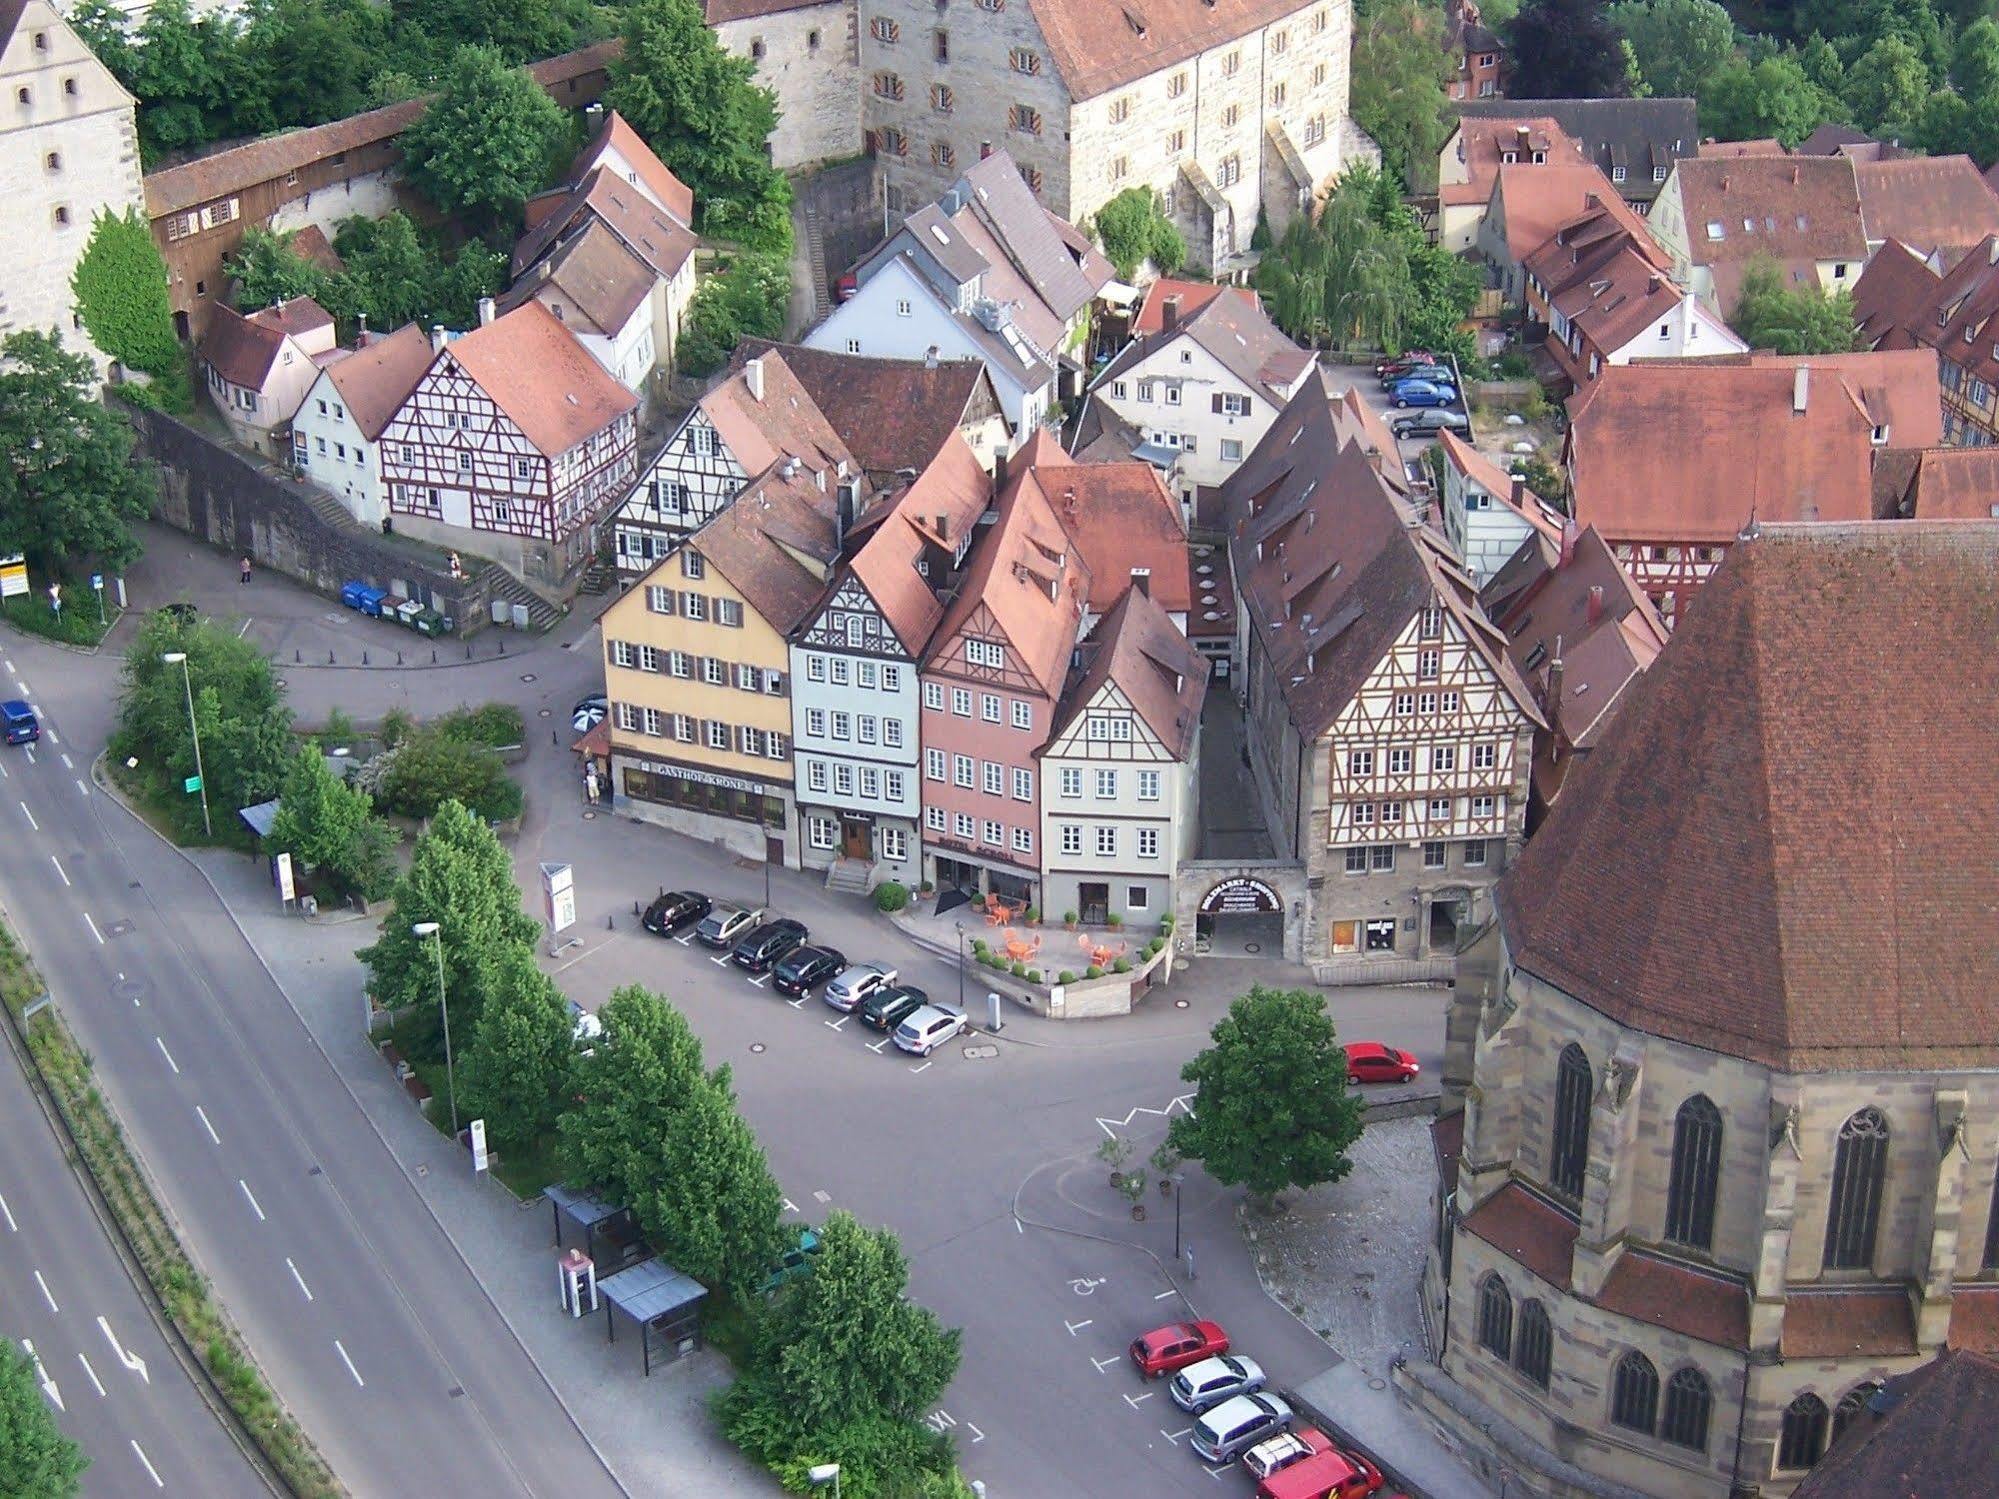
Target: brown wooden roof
{"type": "Point", "coordinates": [377, 378]}
{"type": "Point", "coordinates": [1932, 203]}
{"type": "Point", "coordinates": [1527, 1229]}
{"type": "Point", "coordinates": [1931, 1434]}
{"type": "Point", "coordinates": [894, 413]}
{"type": "Point", "coordinates": [1681, 1298]}
{"type": "Point", "coordinates": [1141, 652]}
{"type": "Point", "coordinates": [1857, 1322]}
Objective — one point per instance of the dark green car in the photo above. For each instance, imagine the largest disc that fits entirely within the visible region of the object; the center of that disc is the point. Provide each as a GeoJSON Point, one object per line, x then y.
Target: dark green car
{"type": "Point", "coordinates": [885, 1009]}
{"type": "Point", "coordinates": [794, 1262]}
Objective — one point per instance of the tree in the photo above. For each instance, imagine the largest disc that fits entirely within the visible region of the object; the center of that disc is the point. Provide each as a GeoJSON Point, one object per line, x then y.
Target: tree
{"type": "Point", "coordinates": [35, 1457]}
{"type": "Point", "coordinates": [488, 141]}
{"type": "Point", "coordinates": [518, 1068]}
{"type": "Point", "coordinates": [69, 486]}
{"type": "Point", "coordinates": [1399, 72]}
{"type": "Point", "coordinates": [1888, 87]}
{"type": "Point", "coordinates": [1271, 1108]}
{"type": "Point", "coordinates": [1678, 43]}
{"type": "Point", "coordinates": [331, 826]}
{"type": "Point", "coordinates": [642, 1068]}
{"type": "Point", "coordinates": [177, 74]}
{"type": "Point", "coordinates": [1746, 101]}
{"type": "Point", "coordinates": [120, 288]}
{"type": "Point", "coordinates": [748, 298]}
{"type": "Point", "coordinates": [1565, 49]}
{"type": "Point", "coordinates": [460, 878]}
{"type": "Point", "coordinates": [1134, 229]}
{"type": "Point", "coordinates": [715, 1211]}
{"type": "Point", "coordinates": [268, 270]}
{"type": "Point", "coordinates": [1974, 67]}
{"type": "Point", "coordinates": [1793, 320]}
{"type": "Point", "coordinates": [703, 114]}
{"type": "Point", "coordinates": [389, 271]}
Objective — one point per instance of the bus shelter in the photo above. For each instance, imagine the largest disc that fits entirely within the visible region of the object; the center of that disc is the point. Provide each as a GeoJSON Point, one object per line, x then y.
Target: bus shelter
{"type": "Point", "coordinates": [665, 1304]}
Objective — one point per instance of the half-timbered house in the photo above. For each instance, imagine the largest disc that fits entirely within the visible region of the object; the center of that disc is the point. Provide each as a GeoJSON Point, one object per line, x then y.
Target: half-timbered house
{"type": "Point", "coordinates": [854, 668]}
{"type": "Point", "coordinates": [1121, 772]}
{"type": "Point", "coordinates": [1389, 735]}
{"type": "Point", "coordinates": [994, 674]}
{"type": "Point", "coordinates": [513, 445]}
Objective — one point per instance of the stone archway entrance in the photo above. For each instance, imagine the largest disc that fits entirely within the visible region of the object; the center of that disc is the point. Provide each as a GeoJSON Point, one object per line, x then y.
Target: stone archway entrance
{"type": "Point", "coordinates": [1241, 917]}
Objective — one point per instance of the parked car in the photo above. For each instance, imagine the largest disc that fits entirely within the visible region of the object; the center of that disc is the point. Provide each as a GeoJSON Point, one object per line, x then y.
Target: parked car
{"type": "Point", "coordinates": [855, 985]}
{"type": "Point", "coordinates": [794, 1262]}
{"type": "Point", "coordinates": [19, 721]}
{"type": "Point", "coordinates": [1284, 1449]}
{"type": "Point", "coordinates": [1440, 373]}
{"type": "Point", "coordinates": [805, 968]}
{"type": "Point", "coordinates": [1377, 1062]}
{"type": "Point", "coordinates": [1327, 1475]}
{"type": "Point", "coordinates": [673, 909]}
{"type": "Point", "coordinates": [1176, 1345]}
{"type": "Point", "coordinates": [844, 287]}
{"type": "Point", "coordinates": [1430, 423]}
{"type": "Point", "coordinates": [887, 1008]}
{"type": "Point", "coordinates": [725, 925]}
{"type": "Point", "coordinates": [589, 712]}
{"type": "Point", "coordinates": [929, 1027]}
{"type": "Point", "coordinates": [1407, 358]}
{"type": "Point", "coordinates": [1202, 1386]}
{"type": "Point", "coordinates": [765, 946]}
{"type": "Point", "coordinates": [1422, 393]}
{"type": "Point", "coordinates": [584, 1027]}
{"type": "Point", "coordinates": [1231, 1428]}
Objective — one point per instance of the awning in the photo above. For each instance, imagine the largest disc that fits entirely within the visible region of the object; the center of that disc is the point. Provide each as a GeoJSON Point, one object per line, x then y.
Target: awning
{"type": "Point", "coordinates": [596, 743]}
{"type": "Point", "coordinates": [260, 817]}
{"type": "Point", "coordinates": [650, 1290]}
{"type": "Point", "coordinates": [1118, 294]}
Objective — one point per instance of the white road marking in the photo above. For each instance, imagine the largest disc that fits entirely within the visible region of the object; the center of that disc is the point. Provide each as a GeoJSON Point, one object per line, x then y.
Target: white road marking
{"type": "Point", "coordinates": [67, 763]}
{"type": "Point", "coordinates": [4, 775]}
{"type": "Point", "coordinates": [6, 1213]}
{"type": "Point", "coordinates": [721, 962]}
{"type": "Point", "coordinates": [131, 1361]}
{"type": "Point", "coordinates": [822, 1197]}
{"type": "Point", "coordinates": [45, 1294]}
{"type": "Point", "coordinates": [42, 1377]}
{"type": "Point", "coordinates": [1216, 1473]}
{"type": "Point", "coordinates": [31, 755]}
{"type": "Point", "coordinates": [59, 869]}
{"type": "Point", "coordinates": [1174, 1436]}
{"type": "Point", "coordinates": [253, 1201]}
{"type": "Point", "coordinates": [93, 929]}
{"type": "Point", "coordinates": [10, 668]}
{"type": "Point", "coordinates": [760, 981]}
{"type": "Point", "coordinates": [151, 1471]}
{"type": "Point", "coordinates": [876, 1046]}
{"type": "Point", "coordinates": [299, 1278]}
{"type": "Point", "coordinates": [834, 1025]}
{"type": "Point", "coordinates": [924, 1068]}
{"type": "Point", "coordinates": [95, 1383]}
{"type": "Point", "coordinates": [246, 627]}
{"type": "Point", "coordinates": [685, 941]}
{"type": "Point", "coordinates": [350, 1364]}
{"type": "Point", "coordinates": [1164, 1294]}
{"type": "Point", "coordinates": [940, 1418]}
{"type": "Point", "coordinates": [790, 1206]}
{"type": "Point", "coordinates": [31, 817]}
{"type": "Point", "coordinates": [1183, 1103]}
{"type": "Point", "coordinates": [977, 1435]}
{"type": "Point", "coordinates": [1019, 1227]}
{"type": "Point", "coordinates": [23, 688]}
{"type": "Point", "coordinates": [1076, 1327]}
{"type": "Point", "coordinates": [203, 1117]}
{"type": "Point", "coordinates": [798, 1003]}
{"type": "Point", "coordinates": [1132, 1400]}
{"type": "Point", "coordinates": [170, 1059]}
{"type": "Point", "coordinates": [54, 738]}
{"type": "Point", "coordinates": [82, 790]}
{"type": "Point", "coordinates": [1104, 1363]}
{"type": "Point", "coordinates": [1084, 1285]}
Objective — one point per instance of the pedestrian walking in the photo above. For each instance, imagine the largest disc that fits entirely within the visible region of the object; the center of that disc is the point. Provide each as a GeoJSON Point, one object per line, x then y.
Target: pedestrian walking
{"type": "Point", "coordinates": [590, 784]}
{"type": "Point", "coordinates": [1190, 1263]}
{"type": "Point", "coordinates": [243, 572]}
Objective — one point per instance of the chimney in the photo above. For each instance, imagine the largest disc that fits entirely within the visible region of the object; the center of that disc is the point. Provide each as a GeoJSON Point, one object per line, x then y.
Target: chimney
{"type": "Point", "coordinates": [1069, 502]}
{"type": "Point", "coordinates": [753, 377]}
{"type": "Point", "coordinates": [1801, 380]}
{"type": "Point", "coordinates": [943, 528]}
{"type": "Point", "coordinates": [999, 471]}
{"type": "Point", "coordinates": [485, 311]}
{"type": "Point", "coordinates": [1519, 493]}
{"type": "Point", "coordinates": [1169, 312]}
{"type": "Point", "coordinates": [1653, 282]}
{"type": "Point", "coordinates": [593, 116]}
{"type": "Point", "coordinates": [843, 513]}
{"type": "Point", "coordinates": [1595, 611]}
{"type": "Point", "coordinates": [930, 357]}
{"type": "Point", "coordinates": [1794, 173]}
{"type": "Point", "coordinates": [361, 330]}
{"type": "Point", "coordinates": [1570, 531]}
{"type": "Point", "coordinates": [437, 338]}
{"type": "Point", "coordinates": [1141, 579]}
{"type": "Point", "coordinates": [790, 469]}
{"type": "Point", "coordinates": [1555, 677]}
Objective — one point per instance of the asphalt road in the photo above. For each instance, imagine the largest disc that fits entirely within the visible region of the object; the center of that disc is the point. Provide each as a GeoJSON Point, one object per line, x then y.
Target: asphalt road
{"type": "Point", "coordinates": [66, 1297]}
{"type": "Point", "coordinates": [358, 1307]}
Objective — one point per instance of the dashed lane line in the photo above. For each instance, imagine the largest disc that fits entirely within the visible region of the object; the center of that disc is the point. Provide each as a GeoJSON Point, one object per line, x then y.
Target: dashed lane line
{"type": "Point", "coordinates": [356, 1372]}
{"type": "Point", "coordinates": [46, 1296]}
{"type": "Point", "coordinates": [303, 1287]}
{"type": "Point", "coordinates": [31, 817]}
{"type": "Point", "coordinates": [251, 1199]}
{"type": "Point", "coordinates": [59, 870]}
{"type": "Point", "coordinates": [6, 1213]}
{"type": "Point", "coordinates": [170, 1059]}
{"type": "Point", "coordinates": [93, 929]}
{"type": "Point", "coordinates": [95, 1383]}
{"type": "Point", "coordinates": [151, 1472]}
{"type": "Point", "coordinates": [202, 1115]}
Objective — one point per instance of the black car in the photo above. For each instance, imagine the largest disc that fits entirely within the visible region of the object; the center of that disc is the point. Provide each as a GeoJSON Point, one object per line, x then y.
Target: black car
{"type": "Point", "coordinates": [768, 944]}
{"type": "Point", "coordinates": [885, 1009]}
{"type": "Point", "coordinates": [1430, 422]}
{"type": "Point", "coordinates": [1437, 374]}
{"type": "Point", "coordinates": [675, 909]}
{"type": "Point", "coordinates": [807, 968]}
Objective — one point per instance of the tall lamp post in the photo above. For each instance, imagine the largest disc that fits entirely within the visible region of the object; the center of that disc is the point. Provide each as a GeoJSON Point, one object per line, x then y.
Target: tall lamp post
{"type": "Point", "coordinates": [1179, 1179]}
{"type": "Point", "coordinates": [961, 965]}
{"type": "Point", "coordinates": [433, 931]}
{"type": "Point", "coordinates": [179, 658]}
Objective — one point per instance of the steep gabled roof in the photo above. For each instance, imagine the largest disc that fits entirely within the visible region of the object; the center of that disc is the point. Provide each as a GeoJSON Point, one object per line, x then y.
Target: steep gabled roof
{"type": "Point", "coordinates": [1238, 334]}
{"type": "Point", "coordinates": [1896, 292]}
{"type": "Point", "coordinates": [1932, 1433]}
{"type": "Point", "coordinates": [377, 378]}
{"type": "Point", "coordinates": [1138, 650]}
{"type": "Point", "coordinates": [648, 173]}
{"type": "Point", "coordinates": [1495, 481]}
{"type": "Point", "coordinates": [546, 382]}
{"type": "Point", "coordinates": [649, 232]}
{"type": "Point", "coordinates": [1636, 134]}
{"type": "Point", "coordinates": [1935, 204]}
{"type": "Point", "coordinates": [1790, 208]}
{"type": "Point", "coordinates": [1537, 201]}
{"type": "Point", "coordinates": [938, 510]}
{"type": "Point", "coordinates": [893, 413]}
{"type": "Point", "coordinates": [783, 421]}
{"type": "Point", "coordinates": [1182, 299]}
{"type": "Point", "coordinates": [1483, 144]}
{"type": "Point", "coordinates": [1100, 45]}
{"type": "Point", "coordinates": [242, 349]}
{"type": "Point", "coordinates": [1605, 280]}
{"type": "Point", "coordinates": [595, 272]}
{"type": "Point", "coordinates": [1952, 484]}
{"type": "Point", "coordinates": [1900, 303]}
{"type": "Point", "coordinates": [776, 543]}
{"type": "Point", "coordinates": [998, 198]}
{"type": "Point", "coordinates": [1122, 519]}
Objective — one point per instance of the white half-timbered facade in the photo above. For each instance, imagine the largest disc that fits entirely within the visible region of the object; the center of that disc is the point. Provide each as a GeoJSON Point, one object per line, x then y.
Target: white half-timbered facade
{"type": "Point", "coordinates": [513, 444]}
{"type": "Point", "coordinates": [690, 479]}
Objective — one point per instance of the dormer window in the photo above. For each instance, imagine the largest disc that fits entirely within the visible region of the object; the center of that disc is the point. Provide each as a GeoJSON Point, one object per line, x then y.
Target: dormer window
{"type": "Point", "coordinates": [1617, 174]}
{"type": "Point", "coordinates": [1658, 174]}
{"type": "Point", "coordinates": [1879, 435]}
{"type": "Point", "coordinates": [1716, 229]}
{"type": "Point", "coordinates": [1540, 158]}
{"type": "Point", "coordinates": [1508, 158]}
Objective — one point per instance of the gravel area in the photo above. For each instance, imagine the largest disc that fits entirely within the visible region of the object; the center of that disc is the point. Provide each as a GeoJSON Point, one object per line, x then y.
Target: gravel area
{"type": "Point", "coordinates": [1347, 1258]}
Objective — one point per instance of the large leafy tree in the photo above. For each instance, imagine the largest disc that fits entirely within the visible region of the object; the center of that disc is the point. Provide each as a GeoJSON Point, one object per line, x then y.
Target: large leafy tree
{"type": "Point", "coordinates": [1399, 73]}
{"type": "Point", "coordinates": [120, 287]}
{"type": "Point", "coordinates": [331, 826]}
{"type": "Point", "coordinates": [518, 1067]}
{"type": "Point", "coordinates": [715, 1211]}
{"type": "Point", "coordinates": [267, 269]}
{"type": "Point", "coordinates": [642, 1069]}
{"type": "Point", "coordinates": [1793, 320]}
{"type": "Point", "coordinates": [1134, 229]}
{"type": "Point", "coordinates": [1271, 1108]}
{"type": "Point", "coordinates": [1888, 87]}
{"type": "Point", "coordinates": [35, 1457]}
{"type": "Point", "coordinates": [460, 878]}
{"type": "Point", "coordinates": [488, 141]}
{"type": "Point", "coordinates": [701, 111]}
{"type": "Point", "coordinates": [1774, 97]}
{"type": "Point", "coordinates": [1678, 43]}
{"type": "Point", "coordinates": [1566, 49]}
{"type": "Point", "coordinates": [69, 487]}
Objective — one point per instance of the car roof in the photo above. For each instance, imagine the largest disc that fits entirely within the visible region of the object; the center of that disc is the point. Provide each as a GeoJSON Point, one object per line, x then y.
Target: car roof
{"type": "Point", "coordinates": [860, 970]}
{"type": "Point", "coordinates": [15, 708]}
{"type": "Point", "coordinates": [1241, 1408]}
{"type": "Point", "coordinates": [925, 1016]}
{"type": "Point", "coordinates": [1367, 1049]}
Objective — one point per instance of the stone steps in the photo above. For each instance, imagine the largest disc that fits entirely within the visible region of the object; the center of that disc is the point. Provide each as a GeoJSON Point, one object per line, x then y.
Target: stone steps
{"type": "Point", "coordinates": [851, 876]}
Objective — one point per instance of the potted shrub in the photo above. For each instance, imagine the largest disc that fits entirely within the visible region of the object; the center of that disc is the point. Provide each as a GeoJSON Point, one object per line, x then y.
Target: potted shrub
{"type": "Point", "coordinates": [1133, 1187]}
{"type": "Point", "coordinates": [1093, 972]}
{"type": "Point", "coordinates": [1034, 915]}
{"type": "Point", "coordinates": [891, 895]}
{"type": "Point", "coordinates": [1019, 970]}
{"type": "Point", "coordinates": [1114, 1152]}
{"type": "Point", "coordinates": [1122, 965]}
{"type": "Point", "coordinates": [1034, 975]}
{"type": "Point", "coordinates": [1115, 921]}
{"type": "Point", "coordinates": [1069, 920]}
{"type": "Point", "coordinates": [1067, 976]}
{"type": "Point", "coordinates": [1166, 1161]}
{"type": "Point", "coordinates": [926, 888]}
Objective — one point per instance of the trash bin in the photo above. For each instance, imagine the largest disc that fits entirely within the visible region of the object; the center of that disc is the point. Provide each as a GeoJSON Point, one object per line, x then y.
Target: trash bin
{"type": "Point", "coordinates": [429, 622]}
{"type": "Point", "coordinates": [371, 601]}
{"type": "Point", "coordinates": [406, 613]}
{"type": "Point", "coordinates": [350, 593]}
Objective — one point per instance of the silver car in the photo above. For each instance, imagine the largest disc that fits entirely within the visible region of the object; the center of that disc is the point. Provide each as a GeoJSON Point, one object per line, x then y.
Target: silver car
{"type": "Point", "coordinates": [848, 988]}
{"type": "Point", "coordinates": [726, 925]}
{"type": "Point", "coordinates": [1222, 1434]}
{"type": "Point", "coordinates": [930, 1027]}
{"type": "Point", "coordinates": [1199, 1387]}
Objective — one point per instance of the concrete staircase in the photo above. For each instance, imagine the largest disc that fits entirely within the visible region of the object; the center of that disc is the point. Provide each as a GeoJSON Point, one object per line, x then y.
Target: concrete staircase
{"type": "Point", "coordinates": [815, 260]}
{"type": "Point", "coordinates": [504, 586]}
{"type": "Point", "coordinates": [851, 876]}
{"type": "Point", "coordinates": [598, 577]}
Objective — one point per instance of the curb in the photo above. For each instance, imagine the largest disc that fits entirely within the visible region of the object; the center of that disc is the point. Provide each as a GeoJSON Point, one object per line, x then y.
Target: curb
{"type": "Point", "coordinates": [450, 1238]}
{"type": "Point", "coordinates": [63, 645]}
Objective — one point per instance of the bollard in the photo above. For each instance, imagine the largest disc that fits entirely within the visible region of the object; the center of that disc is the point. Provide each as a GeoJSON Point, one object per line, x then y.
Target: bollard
{"type": "Point", "coordinates": [364, 658]}
{"type": "Point", "coordinates": [329, 658]}
{"type": "Point", "coordinates": [468, 650]}
{"type": "Point", "coordinates": [399, 658]}
{"type": "Point", "coordinates": [552, 739]}
{"type": "Point", "coordinates": [298, 657]}
{"type": "Point", "coordinates": [610, 925]}
{"type": "Point", "coordinates": [503, 645]}
{"type": "Point", "coordinates": [433, 655]}
{"type": "Point", "coordinates": [635, 908]}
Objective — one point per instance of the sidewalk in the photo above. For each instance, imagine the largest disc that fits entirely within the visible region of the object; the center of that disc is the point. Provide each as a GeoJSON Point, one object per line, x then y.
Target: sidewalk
{"type": "Point", "coordinates": [655, 1434]}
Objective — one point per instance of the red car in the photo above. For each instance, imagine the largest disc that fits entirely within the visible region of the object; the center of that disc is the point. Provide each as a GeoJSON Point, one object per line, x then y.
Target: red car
{"type": "Point", "coordinates": [1373, 1062]}
{"type": "Point", "coordinates": [1408, 359]}
{"type": "Point", "coordinates": [1177, 1345]}
{"type": "Point", "coordinates": [1327, 1475]}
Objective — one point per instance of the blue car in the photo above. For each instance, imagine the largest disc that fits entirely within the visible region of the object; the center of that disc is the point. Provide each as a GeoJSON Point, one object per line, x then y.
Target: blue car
{"type": "Point", "coordinates": [18, 720]}
{"type": "Point", "coordinates": [1422, 393]}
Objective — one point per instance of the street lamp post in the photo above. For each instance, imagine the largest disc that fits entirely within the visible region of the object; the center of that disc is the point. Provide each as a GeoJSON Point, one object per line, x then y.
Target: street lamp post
{"type": "Point", "coordinates": [961, 965]}
{"type": "Point", "coordinates": [179, 658]}
{"type": "Point", "coordinates": [822, 1474]}
{"type": "Point", "coordinates": [1179, 1191]}
{"type": "Point", "coordinates": [433, 931]}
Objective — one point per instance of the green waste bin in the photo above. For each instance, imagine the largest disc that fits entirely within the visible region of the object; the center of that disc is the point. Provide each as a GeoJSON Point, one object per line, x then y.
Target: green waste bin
{"type": "Point", "coordinates": [429, 622]}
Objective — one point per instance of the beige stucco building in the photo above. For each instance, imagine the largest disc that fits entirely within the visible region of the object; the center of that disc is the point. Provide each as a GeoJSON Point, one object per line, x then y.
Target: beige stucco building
{"type": "Point", "coordinates": [68, 148]}
{"type": "Point", "coordinates": [1721, 1110]}
{"type": "Point", "coordinates": [1223, 109]}
{"type": "Point", "coordinates": [806, 54]}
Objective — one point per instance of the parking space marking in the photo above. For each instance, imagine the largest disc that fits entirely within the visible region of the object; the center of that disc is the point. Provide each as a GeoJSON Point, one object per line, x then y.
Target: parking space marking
{"type": "Point", "coordinates": [685, 941]}
{"type": "Point", "coordinates": [876, 1046]}
{"type": "Point", "coordinates": [759, 981]}
{"type": "Point", "coordinates": [1076, 1327]}
{"type": "Point", "coordinates": [1133, 1400]}
{"type": "Point", "coordinates": [1224, 1468]}
{"type": "Point", "coordinates": [834, 1025]}
{"type": "Point", "coordinates": [1164, 1294]}
{"type": "Point", "coordinates": [924, 1068]}
{"type": "Point", "coordinates": [1184, 1103]}
{"type": "Point", "coordinates": [790, 1206]}
{"type": "Point", "coordinates": [721, 962]}
{"type": "Point", "coordinates": [1084, 1285]}
{"type": "Point", "coordinates": [1104, 1363]}
{"type": "Point", "coordinates": [822, 1197]}
{"type": "Point", "coordinates": [1174, 1436]}
{"type": "Point", "coordinates": [798, 1003]}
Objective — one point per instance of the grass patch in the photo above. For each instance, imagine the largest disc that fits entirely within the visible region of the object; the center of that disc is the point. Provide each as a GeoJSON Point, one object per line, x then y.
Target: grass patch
{"type": "Point", "coordinates": [525, 1173]}
{"type": "Point", "coordinates": [100, 1142]}
{"type": "Point", "coordinates": [176, 814]}
{"type": "Point", "coordinates": [76, 625]}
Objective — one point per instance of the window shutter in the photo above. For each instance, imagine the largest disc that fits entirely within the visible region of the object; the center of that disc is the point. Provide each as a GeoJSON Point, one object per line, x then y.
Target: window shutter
{"type": "Point", "coordinates": [1215, 403]}
{"type": "Point", "coordinates": [1248, 404]}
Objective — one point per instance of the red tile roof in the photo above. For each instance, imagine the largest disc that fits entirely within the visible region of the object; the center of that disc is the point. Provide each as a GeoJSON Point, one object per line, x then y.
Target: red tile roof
{"type": "Point", "coordinates": [650, 233]}
{"type": "Point", "coordinates": [1801, 208]}
{"type": "Point", "coordinates": [1974, 1318]}
{"type": "Point", "coordinates": [546, 382]}
{"type": "Point", "coordinates": [1098, 47]}
{"type": "Point", "coordinates": [781, 422]}
{"type": "Point", "coordinates": [648, 173]}
{"type": "Point", "coordinates": [776, 543]}
{"type": "Point", "coordinates": [377, 378]}
{"type": "Point", "coordinates": [242, 349]}
{"type": "Point", "coordinates": [1139, 651]}
{"type": "Point", "coordinates": [1186, 299]}
{"type": "Point", "coordinates": [1636, 476]}
{"type": "Point", "coordinates": [1608, 283]}
{"type": "Point", "coordinates": [1796, 870]}
{"type": "Point", "coordinates": [894, 413]}
{"type": "Point", "coordinates": [1527, 1229]}
{"type": "Point", "coordinates": [595, 274]}
{"type": "Point", "coordinates": [939, 510]}
{"type": "Point", "coordinates": [1483, 143]}
{"type": "Point", "coordinates": [1680, 1298]}
{"type": "Point", "coordinates": [1952, 484]}
{"type": "Point", "coordinates": [1902, 304]}
{"type": "Point", "coordinates": [1495, 481]}
{"type": "Point", "coordinates": [1536, 201]}
{"type": "Point", "coordinates": [311, 245]}
{"type": "Point", "coordinates": [1931, 203]}
{"type": "Point", "coordinates": [1763, 146]}
{"type": "Point", "coordinates": [1930, 1434]}
{"type": "Point", "coordinates": [1860, 1322]}
{"type": "Point", "coordinates": [1121, 518]}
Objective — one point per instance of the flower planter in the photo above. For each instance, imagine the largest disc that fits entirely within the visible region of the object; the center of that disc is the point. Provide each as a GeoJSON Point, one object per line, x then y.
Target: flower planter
{"type": "Point", "coordinates": [1117, 1178]}
{"type": "Point", "coordinates": [1138, 1212]}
